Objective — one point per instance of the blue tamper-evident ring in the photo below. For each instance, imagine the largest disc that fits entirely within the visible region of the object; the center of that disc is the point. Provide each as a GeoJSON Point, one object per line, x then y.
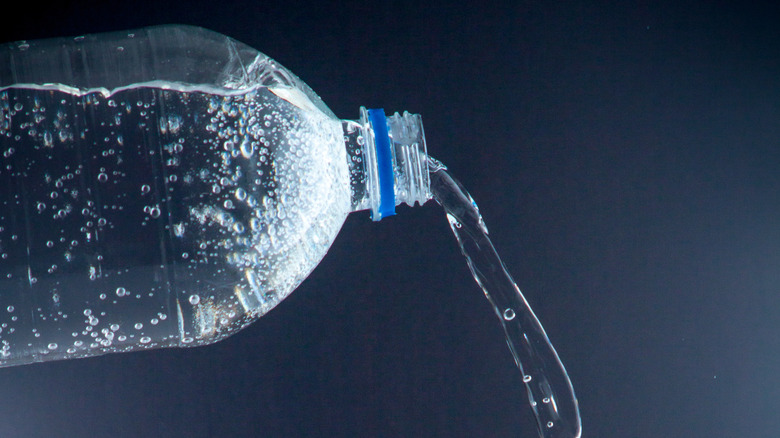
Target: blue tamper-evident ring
{"type": "Point", "coordinates": [384, 162]}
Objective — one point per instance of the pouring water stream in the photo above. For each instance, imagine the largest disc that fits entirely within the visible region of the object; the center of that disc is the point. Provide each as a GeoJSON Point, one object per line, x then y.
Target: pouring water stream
{"type": "Point", "coordinates": [549, 388]}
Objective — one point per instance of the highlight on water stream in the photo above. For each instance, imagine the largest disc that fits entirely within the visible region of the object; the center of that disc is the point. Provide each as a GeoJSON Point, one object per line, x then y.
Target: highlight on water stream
{"type": "Point", "coordinates": [550, 391]}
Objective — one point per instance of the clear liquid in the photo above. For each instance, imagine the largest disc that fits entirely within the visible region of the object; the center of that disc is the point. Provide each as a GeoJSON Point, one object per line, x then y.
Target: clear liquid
{"type": "Point", "coordinates": [156, 215]}
{"type": "Point", "coordinates": [549, 388]}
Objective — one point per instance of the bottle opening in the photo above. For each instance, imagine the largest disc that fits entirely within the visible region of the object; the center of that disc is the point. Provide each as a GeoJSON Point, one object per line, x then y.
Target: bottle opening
{"type": "Point", "coordinates": [395, 161]}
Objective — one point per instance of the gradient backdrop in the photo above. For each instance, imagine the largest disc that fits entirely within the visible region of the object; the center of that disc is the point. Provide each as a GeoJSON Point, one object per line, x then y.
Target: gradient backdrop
{"type": "Point", "coordinates": [626, 159]}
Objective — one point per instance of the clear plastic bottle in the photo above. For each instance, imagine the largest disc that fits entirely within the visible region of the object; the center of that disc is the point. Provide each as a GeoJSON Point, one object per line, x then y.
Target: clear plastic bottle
{"type": "Point", "coordinates": [168, 186]}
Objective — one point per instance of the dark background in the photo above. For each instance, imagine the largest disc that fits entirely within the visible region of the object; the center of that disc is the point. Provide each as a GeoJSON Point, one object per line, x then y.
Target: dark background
{"type": "Point", "coordinates": [625, 158]}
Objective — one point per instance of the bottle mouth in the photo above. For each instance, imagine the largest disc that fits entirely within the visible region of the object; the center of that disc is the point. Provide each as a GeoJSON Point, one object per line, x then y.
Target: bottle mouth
{"type": "Point", "coordinates": [397, 161]}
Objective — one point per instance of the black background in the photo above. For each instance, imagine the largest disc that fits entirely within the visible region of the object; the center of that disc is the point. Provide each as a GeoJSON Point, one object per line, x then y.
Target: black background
{"type": "Point", "coordinates": [625, 158]}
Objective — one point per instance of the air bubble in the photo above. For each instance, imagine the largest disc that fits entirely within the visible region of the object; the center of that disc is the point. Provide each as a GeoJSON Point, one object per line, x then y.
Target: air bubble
{"type": "Point", "coordinates": [247, 149]}
{"type": "Point", "coordinates": [194, 299]}
{"type": "Point", "coordinates": [527, 378]}
{"type": "Point", "coordinates": [120, 292]}
{"type": "Point", "coordinates": [509, 314]}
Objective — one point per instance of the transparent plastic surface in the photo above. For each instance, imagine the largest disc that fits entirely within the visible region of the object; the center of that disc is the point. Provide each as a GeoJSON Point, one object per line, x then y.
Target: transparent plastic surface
{"type": "Point", "coordinates": [163, 190]}
{"type": "Point", "coordinates": [173, 56]}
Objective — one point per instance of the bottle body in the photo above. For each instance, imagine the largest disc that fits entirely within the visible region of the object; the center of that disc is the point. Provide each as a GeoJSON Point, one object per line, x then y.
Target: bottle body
{"type": "Point", "coordinates": [150, 212]}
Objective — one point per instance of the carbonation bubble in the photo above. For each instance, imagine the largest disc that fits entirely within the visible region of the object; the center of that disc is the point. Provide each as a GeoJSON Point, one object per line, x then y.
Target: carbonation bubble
{"type": "Point", "coordinates": [247, 149]}
{"type": "Point", "coordinates": [153, 211]}
{"type": "Point", "coordinates": [194, 299]}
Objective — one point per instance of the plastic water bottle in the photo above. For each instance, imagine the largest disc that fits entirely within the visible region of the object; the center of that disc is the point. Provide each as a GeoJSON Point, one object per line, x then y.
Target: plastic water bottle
{"type": "Point", "coordinates": [168, 186]}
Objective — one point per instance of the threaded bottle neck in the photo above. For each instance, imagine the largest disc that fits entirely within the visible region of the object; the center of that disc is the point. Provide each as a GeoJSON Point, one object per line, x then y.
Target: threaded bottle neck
{"type": "Point", "coordinates": [387, 160]}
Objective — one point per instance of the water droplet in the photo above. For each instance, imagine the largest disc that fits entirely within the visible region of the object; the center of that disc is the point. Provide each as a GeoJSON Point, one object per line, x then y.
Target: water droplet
{"type": "Point", "coordinates": [145, 189]}
{"type": "Point", "coordinates": [194, 299]}
{"type": "Point", "coordinates": [509, 314]}
{"type": "Point", "coordinates": [146, 340]}
{"type": "Point", "coordinates": [527, 378]}
{"type": "Point", "coordinates": [120, 292]}
{"type": "Point", "coordinates": [10, 309]}
{"type": "Point", "coordinates": [549, 424]}
{"type": "Point", "coordinates": [138, 326]}
{"type": "Point", "coordinates": [102, 177]}
{"type": "Point", "coordinates": [52, 346]}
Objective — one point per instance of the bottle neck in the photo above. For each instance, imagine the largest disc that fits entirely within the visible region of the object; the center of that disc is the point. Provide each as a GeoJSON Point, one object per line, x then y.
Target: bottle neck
{"type": "Point", "coordinates": [387, 160]}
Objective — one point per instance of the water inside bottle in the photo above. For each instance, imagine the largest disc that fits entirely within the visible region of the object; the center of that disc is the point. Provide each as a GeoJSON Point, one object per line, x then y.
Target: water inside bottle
{"type": "Point", "coordinates": [550, 391]}
{"type": "Point", "coordinates": [157, 214]}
